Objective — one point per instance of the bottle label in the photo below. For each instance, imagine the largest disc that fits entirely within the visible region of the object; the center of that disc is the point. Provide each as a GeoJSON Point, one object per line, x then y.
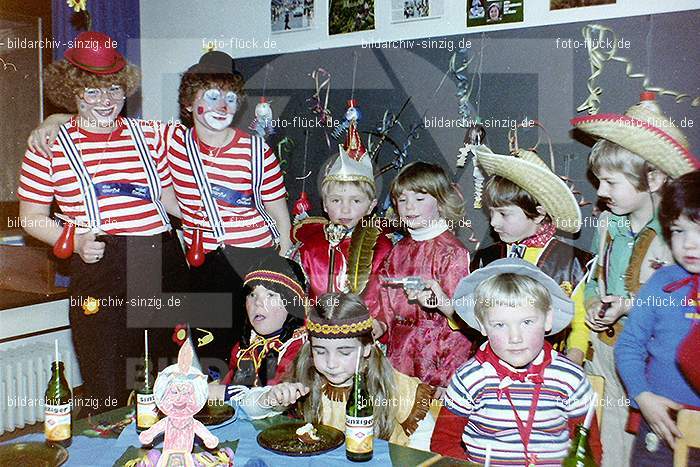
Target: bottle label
{"type": "Point", "coordinates": [57, 424]}
{"type": "Point", "coordinates": [146, 410]}
{"type": "Point", "coordinates": [359, 434]}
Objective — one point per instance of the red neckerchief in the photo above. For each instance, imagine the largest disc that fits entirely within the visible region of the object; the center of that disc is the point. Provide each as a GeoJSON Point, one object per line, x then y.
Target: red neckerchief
{"type": "Point", "coordinates": [693, 295]}
{"type": "Point", "coordinates": [543, 235]}
{"type": "Point", "coordinates": [534, 373]}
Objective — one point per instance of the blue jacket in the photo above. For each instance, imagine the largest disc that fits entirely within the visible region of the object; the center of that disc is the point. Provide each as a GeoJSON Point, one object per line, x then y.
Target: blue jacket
{"type": "Point", "coordinates": [645, 353]}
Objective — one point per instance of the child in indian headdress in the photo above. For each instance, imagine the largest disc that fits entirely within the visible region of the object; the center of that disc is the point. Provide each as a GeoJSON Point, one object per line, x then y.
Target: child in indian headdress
{"type": "Point", "coordinates": [422, 339]}
{"type": "Point", "coordinates": [518, 395]}
{"type": "Point", "coordinates": [637, 153]}
{"type": "Point", "coordinates": [527, 204]}
{"type": "Point", "coordinates": [274, 331]}
{"type": "Point", "coordinates": [340, 334]}
{"type": "Point", "coordinates": [665, 314]}
{"type": "Point", "coordinates": [349, 195]}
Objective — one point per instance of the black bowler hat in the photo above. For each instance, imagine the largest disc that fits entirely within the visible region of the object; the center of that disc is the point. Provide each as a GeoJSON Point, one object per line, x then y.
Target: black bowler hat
{"type": "Point", "coordinates": [215, 62]}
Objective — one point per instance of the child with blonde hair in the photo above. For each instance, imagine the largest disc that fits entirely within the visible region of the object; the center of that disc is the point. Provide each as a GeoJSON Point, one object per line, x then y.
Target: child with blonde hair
{"type": "Point", "coordinates": [517, 396]}
{"type": "Point", "coordinates": [637, 152]}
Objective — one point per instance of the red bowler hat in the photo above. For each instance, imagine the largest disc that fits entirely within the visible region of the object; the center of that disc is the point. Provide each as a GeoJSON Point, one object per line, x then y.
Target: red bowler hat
{"type": "Point", "coordinates": [94, 52]}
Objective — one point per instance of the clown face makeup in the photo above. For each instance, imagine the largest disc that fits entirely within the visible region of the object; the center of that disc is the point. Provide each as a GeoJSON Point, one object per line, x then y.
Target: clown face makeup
{"type": "Point", "coordinates": [98, 108]}
{"type": "Point", "coordinates": [214, 109]}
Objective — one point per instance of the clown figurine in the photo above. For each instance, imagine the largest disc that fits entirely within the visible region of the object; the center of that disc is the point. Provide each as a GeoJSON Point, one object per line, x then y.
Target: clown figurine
{"type": "Point", "coordinates": [180, 391]}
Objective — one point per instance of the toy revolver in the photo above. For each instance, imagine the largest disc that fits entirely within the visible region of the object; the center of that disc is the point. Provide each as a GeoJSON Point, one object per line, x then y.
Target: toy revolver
{"type": "Point", "coordinates": [410, 283]}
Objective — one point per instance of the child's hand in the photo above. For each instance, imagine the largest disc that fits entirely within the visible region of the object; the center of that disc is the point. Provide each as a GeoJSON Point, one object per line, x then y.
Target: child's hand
{"type": "Point", "coordinates": [216, 391]}
{"type": "Point", "coordinates": [431, 296]}
{"type": "Point", "coordinates": [284, 394]}
{"type": "Point", "coordinates": [616, 309]}
{"type": "Point", "coordinates": [655, 411]}
{"type": "Point", "coordinates": [576, 356]}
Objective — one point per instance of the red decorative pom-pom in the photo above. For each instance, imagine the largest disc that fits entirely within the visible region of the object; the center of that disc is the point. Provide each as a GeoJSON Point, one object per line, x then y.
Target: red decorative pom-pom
{"type": "Point", "coordinates": [302, 204]}
{"type": "Point", "coordinates": [63, 248]}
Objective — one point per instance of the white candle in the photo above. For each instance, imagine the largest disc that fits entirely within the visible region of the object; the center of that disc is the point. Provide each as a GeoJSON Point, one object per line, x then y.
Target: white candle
{"type": "Point", "coordinates": [55, 344]}
{"type": "Point", "coordinates": [145, 341]}
{"type": "Point", "coordinates": [591, 410]}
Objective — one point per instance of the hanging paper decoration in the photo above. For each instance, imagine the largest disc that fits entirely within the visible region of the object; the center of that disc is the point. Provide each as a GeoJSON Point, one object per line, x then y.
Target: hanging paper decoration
{"type": "Point", "coordinates": [262, 124]}
{"type": "Point", "coordinates": [464, 86]}
{"type": "Point", "coordinates": [353, 113]}
{"type": "Point", "coordinates": [285, 148]}
{"type": "Point", "coordinates": [596, 34]}
{"type": "Point", "coordinates": [319, 100]}
{"type": "Point", "coordinates": [302, 205]}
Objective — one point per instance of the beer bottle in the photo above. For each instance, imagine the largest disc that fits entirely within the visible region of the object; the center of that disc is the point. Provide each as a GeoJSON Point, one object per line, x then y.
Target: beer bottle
{"type": "Point", "coordinates": [146, 410]}
{"type": "Point", "coordinates": [359, 423]}
{"type": "Point", "coordinates": [579, 452]}
{"type": "Point", "coordinates": [58, 428]}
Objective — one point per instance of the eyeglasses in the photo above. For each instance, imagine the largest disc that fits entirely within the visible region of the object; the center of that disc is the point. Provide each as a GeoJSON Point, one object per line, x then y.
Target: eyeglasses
{"type": "Point", "coordinates": [95, 95]}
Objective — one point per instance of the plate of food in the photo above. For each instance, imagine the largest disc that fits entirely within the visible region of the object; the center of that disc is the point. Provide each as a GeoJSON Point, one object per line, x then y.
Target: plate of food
{"type": "Point", "coordinates": [300, 439]}
{"type": "Point", "coordinates": [34, 454]}
{"type": "Point", "coordinates": [215, 413]}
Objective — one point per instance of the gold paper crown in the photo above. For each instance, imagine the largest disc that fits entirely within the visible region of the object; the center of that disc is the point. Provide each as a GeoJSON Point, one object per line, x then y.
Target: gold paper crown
{"type": "Point", "coordinates": [353, 163]}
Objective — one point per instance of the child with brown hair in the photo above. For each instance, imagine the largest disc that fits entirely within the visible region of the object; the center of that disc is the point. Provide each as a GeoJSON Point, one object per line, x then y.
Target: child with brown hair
{"type": "Point", "coordinates": [340, 334]}
{"type": "Point", "coordinates": [527, 205]}
{"type": "Point", "coordinates": [664, 314]}
{"type": "Point", "coordinates": [637, 152]}
{"type": "Point", "coordinates": [423, 339]}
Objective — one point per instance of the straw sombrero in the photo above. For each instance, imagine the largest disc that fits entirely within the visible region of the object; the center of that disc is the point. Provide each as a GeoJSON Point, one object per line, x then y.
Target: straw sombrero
{"type": "Point", "coordinates": [528, 171]}
{"type": "Point", "coordinates": [647, 132]}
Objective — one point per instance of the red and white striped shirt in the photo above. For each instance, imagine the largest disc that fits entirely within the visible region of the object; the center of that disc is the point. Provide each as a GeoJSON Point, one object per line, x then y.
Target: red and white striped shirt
{"type": "Point", "coordinates": [229, 167]}
{"type": "Point", "coordinates": [108, 157]}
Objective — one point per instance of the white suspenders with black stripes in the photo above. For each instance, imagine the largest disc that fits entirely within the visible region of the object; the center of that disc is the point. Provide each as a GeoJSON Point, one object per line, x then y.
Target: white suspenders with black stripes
{"type": "Point", "coordinates": [208, 201]}
{"type": "Point", "coordinates": [87, 187]}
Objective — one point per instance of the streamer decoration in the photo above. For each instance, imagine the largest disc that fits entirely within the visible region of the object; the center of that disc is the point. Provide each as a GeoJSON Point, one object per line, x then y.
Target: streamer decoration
{"type": "Point", "coordinates": [594, 36]}
{"type": "Point", "coordinates": [319, 100]}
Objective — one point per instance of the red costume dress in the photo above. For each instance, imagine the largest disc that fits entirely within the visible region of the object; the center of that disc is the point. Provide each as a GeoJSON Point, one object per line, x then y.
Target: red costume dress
{"type": "Point", "coordinates": [421, 341]}
{"type": "Point", "coordinates": [314, 252]}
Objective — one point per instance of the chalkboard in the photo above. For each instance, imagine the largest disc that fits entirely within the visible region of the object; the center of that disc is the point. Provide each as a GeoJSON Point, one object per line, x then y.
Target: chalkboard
{"type": "Point", "coordinates": [535, 73]}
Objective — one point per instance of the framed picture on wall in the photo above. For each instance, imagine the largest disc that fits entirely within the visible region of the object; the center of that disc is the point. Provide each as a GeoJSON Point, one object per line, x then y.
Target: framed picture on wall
{"type": "Point", "coordinates": [412, 10]}
{"type": "Point", "coordinates": [487, 12]}
{"type": "Point", "coordinates": [291, 15]}
{"type": "Point", "coordinates": [561, 4]}
{"type": "Point", "coordinates": [350, 16]}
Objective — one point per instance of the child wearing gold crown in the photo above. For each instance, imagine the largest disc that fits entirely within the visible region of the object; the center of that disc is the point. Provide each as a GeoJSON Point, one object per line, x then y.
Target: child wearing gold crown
{"type": "Point", "coordinates": [340, 335]}
{"type": "Point", "coordinates": [422, 339]}
{"type": "Point", "coordinates": [527, 203]}
{"type": "Point", "coordinates": [328, 248]}
{"type": "Point", "coordinates": [637, 152]}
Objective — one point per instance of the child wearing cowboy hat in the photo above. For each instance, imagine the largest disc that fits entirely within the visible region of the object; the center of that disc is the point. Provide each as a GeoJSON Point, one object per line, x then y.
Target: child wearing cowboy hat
{"type": "Point", "coordinates": [517, 395]}
{"type": "Point", "coordinates": [636, 154]}
{"type": "Point", "coordinates": [527, 204]}
{"type": "Point", "coordinates": [650, 353]}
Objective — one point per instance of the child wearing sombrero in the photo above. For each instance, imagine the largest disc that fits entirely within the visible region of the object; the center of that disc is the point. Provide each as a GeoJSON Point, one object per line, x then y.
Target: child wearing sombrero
{"type": "Point", "coordinates": [517, 397]}
{"type": "Point", "coordinates": [527, 204]}
{"type": "Point", "coordinates": [637, 152]}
